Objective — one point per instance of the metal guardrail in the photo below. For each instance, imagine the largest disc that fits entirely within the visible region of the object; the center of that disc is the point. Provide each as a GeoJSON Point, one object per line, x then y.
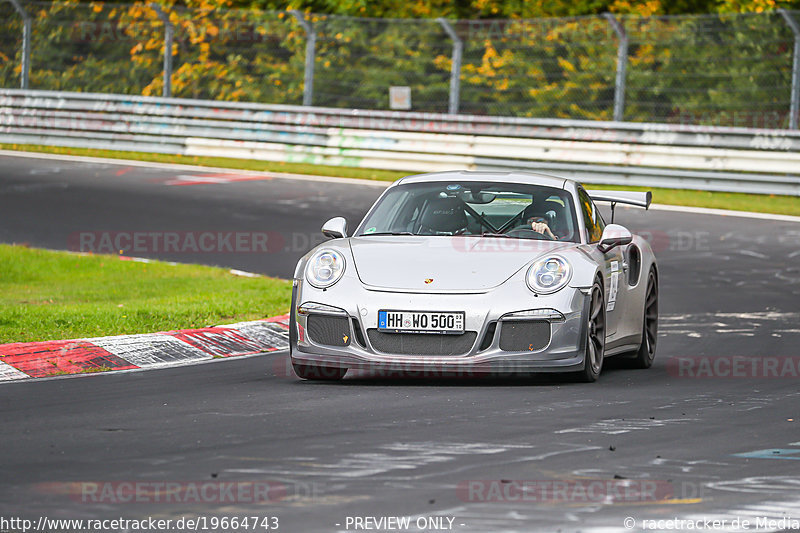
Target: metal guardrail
{"type": "Point", "coordinates": [657, 155]}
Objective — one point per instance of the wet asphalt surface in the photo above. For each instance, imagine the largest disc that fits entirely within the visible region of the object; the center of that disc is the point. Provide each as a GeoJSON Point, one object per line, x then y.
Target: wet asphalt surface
{"type": "Point", "coordinates": [709, 432]}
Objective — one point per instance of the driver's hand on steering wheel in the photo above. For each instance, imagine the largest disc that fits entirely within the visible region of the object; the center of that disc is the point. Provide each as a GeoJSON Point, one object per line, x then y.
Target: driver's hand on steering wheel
{"type": "Point", "coordinates": [543, 228]}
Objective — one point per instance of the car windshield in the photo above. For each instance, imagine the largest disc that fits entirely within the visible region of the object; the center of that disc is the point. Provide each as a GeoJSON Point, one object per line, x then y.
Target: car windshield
{"type": "Point", "coordinates": [494, 209]}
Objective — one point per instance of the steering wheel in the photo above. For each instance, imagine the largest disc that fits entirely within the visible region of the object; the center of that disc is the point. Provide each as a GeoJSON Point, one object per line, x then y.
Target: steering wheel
{"type": "Point", "coordinates": [527, 233]}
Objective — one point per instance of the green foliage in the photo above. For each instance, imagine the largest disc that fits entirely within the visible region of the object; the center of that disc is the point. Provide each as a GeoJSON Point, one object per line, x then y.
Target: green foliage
{"type": "Point", "coordinates": [562, 68]}
{"type": "Point", "coordinates": [727, 70]}
{"type": "Point", "coordinates": [237, 54]}
{"type": "Point", "coordinates": [10, 46]}
{"type": "Point", "coordinates": [359, 59]}
{"type": "Point", "coordinates": [89, 48]}
{"type": "Point", "coordinates": [720, 69]}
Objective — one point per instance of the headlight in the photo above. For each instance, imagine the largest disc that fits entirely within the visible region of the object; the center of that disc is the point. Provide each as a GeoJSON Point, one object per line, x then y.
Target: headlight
{"type": "Point", "coordinates": [549, 275]}
{"type": "Point", "coordinates": [325, 268]}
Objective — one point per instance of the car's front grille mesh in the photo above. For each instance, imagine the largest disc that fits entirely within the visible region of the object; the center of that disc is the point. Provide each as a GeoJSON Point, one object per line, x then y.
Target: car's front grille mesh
{"type": "Point", "coordinates": [329, 330]}
{"type": "Point", "coordinates": [524, 335]}
{"type": "Point", "coordinates": [421, 343]}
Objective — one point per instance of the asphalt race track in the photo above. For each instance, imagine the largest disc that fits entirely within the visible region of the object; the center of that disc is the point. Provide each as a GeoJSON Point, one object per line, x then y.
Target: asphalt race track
{"type": "Point", "coordinates": [711, 432]}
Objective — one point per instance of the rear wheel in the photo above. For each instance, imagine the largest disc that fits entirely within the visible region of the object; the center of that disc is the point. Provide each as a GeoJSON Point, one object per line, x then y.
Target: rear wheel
{"type": "Point", "coordinates": [595, 336]}
{"type": "Point", "coordinates": [647, 351]}
{"type": "Point", "coordinates": [319, 373]}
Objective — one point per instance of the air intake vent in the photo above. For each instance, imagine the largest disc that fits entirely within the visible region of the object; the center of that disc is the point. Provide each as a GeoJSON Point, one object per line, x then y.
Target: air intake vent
{"type": "Point", "coordinates": [524, 335]}
{"type": "Point", "coordinates": [358, 334]}
{"type": "Point", "coordinates": [329, 330]}
{"type": "Point", "coordinates": [421, 343]}
{"type": "Point", "coordinates": [488, 337]}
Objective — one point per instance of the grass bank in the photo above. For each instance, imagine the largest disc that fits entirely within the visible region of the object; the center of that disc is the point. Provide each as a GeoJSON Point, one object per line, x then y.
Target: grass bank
{"type": "Point", "coordinates": [47, 295]}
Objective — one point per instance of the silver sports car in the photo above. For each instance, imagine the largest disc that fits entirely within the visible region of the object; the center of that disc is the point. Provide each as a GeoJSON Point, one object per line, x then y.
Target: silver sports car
{"type": "Point", "coordinates": [473, 273]}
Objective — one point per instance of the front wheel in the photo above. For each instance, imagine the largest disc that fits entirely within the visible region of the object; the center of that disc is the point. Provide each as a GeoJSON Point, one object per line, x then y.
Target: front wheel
{"type": "Point", "coordinates": [647, 351]}
{"type": "Point", "coordinates": [318, 373]}
{"type": "Point", "coordinates": [595, 336]}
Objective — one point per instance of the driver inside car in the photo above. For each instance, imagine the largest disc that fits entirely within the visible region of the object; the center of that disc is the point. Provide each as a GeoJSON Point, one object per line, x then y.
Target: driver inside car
{"type": "Point", "coordinates": [539, 225]}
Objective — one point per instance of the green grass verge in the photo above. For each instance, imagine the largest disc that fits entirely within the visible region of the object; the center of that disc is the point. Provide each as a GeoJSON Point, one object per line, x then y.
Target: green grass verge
{"type": "Point", "coordinates": [761, 203]}
{"type": "Point", "coordinates": [46, 295]}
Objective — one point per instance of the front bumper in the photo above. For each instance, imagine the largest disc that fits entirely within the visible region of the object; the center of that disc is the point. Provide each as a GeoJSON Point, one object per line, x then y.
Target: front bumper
{"type": "Point", "coordinates": [358, 313]}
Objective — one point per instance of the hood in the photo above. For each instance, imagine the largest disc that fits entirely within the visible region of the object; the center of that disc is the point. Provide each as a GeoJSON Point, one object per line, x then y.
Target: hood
{"type": "Point", "coordinates": [435, 264]}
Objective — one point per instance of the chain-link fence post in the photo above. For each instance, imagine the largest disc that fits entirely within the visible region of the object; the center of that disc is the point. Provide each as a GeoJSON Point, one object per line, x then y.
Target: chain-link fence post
{"type": "Point", "coordinates": [27, 27]}
{"type": "Point", "coordinates": [794, 106]}
{"type": "Point", "coordinates": [311, 50]}
{"type": "Point", "coordinates": [622, 67]}
{"type": "Point", "coordinates": [455, 67]}
{"type": "Point", "coordinates": [169, 31]}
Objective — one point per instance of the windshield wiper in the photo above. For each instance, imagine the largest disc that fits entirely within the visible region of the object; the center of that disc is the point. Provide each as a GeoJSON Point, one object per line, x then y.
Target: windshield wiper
{"type": "Point", "coordinates": [386, 233]}
{"type": "Point", "coordinates": [488, 234]}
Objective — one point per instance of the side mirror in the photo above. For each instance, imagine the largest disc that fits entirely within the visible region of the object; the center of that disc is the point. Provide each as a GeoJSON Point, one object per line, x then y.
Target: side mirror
{"type": "Point", "coordinates": [335, 228]}
{"type": "Point", "coordinates": [614, 235]}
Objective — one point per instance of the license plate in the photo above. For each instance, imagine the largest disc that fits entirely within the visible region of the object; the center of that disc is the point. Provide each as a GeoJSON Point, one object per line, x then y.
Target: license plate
{"type": "Point", "coordinates": [421, 322]}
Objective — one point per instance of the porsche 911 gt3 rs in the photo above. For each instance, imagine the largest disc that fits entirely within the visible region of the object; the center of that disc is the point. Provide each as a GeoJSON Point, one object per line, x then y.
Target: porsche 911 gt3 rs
{"type": "Point", "coordinates": [477, 272]}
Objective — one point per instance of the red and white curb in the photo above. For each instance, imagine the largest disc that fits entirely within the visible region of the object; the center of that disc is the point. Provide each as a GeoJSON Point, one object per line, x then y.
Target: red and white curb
{"type": "Point", "coordinates": [23, 360]}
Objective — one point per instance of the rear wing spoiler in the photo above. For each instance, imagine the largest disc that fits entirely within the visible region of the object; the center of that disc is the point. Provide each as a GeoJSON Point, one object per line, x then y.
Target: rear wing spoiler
{"type": "Point", "coordinates": [639, 199]}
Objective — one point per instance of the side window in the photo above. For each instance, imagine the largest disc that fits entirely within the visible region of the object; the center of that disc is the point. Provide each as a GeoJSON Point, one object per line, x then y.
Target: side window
{"type": "Point", "coordinates": [591, 217]}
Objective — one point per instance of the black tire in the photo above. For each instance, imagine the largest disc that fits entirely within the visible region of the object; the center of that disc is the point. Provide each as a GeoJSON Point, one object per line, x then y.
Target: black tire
{"type": "Point", "coordinates": [647, 350]}
{"type": "Point", "coordinates": [318, 373]}
{"type": "Point", "coordinates": [595, 336]}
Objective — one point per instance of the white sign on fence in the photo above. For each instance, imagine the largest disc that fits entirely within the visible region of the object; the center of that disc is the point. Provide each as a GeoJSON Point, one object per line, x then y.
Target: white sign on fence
{"type": "Point", "coordinates": [400, 98]}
